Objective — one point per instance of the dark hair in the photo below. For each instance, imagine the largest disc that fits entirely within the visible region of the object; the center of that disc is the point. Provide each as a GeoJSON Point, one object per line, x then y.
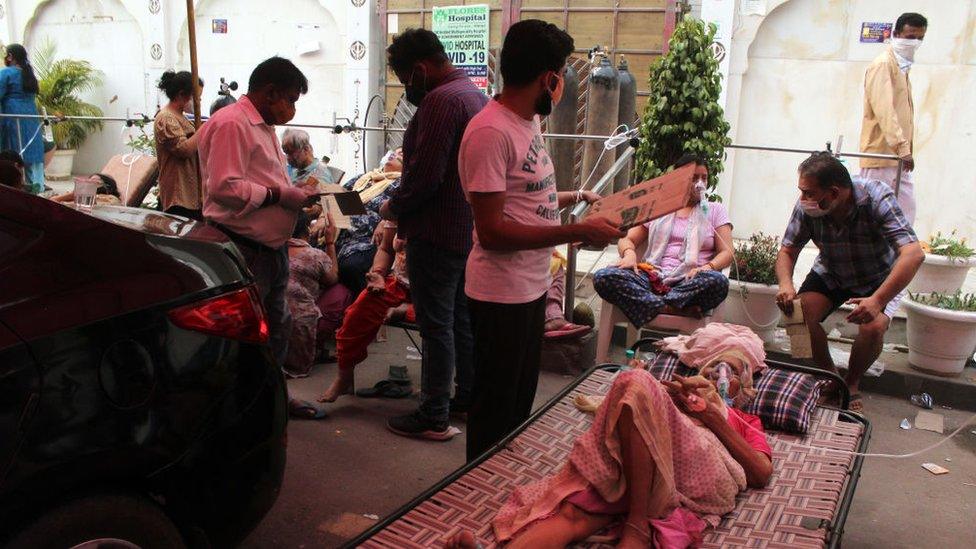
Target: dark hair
{"type": "Point", "coordinates": [911, 18]}
{"type": "Point", "coordinates": [280, 73]}
{"type": "Point", "coordinates": [175, 84]}
{"type": "Point", "coordinates": [220, 103]}
{"type": "Point", "coordinates": [109, 186]}
{"type": "Point", "coordinates": [826, 170]}
{"type": "Point", "coordinates": [10, 175]}
{"type": "Point", "coordinates": [414, 45]}
{"type": "Point", "coordinates": [531, 48]}
{"type": "Point", "coordinates": [302, 226]}
{"type": "Point", "coordinates": [689, 158]}
{"type": "Point", "coordinates": [11, 155]}
{"type": "Point", "coordinates": [28, 79]}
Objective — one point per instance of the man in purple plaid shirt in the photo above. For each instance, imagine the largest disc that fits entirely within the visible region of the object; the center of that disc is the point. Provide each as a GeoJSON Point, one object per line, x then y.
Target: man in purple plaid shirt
{"type": "Point", "coordinates": [435, 219]}
{"type": "Point", "coordinates": [868, 255]}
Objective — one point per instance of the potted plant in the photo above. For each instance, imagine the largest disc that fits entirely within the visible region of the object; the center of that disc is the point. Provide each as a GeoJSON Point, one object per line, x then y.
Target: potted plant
{"type": "Point", "coordinates": [752, 289]}
{"type": "Point", "coordinates": [60, 83]}
{"type": "Point", "coordinates": [947, 262]}
{"type": "Point", "coordinates": [941, 331]}
{"type": "Point", "coordinates": [683, 114]}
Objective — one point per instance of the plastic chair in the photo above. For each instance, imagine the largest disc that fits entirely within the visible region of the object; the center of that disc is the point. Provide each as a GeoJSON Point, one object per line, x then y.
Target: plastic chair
{"type": "Point", "coordinates": [610, 316]}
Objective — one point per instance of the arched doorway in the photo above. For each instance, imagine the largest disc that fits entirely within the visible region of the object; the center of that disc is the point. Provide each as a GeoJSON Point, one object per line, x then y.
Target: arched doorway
{"type": "Point", "coordinates": [301, 30]}
{"type": "Point", "coordinates": [106, 35]}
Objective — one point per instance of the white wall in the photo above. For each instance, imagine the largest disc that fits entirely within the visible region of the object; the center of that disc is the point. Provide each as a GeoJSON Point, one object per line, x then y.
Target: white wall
{"type": "Point", "coordinates": [117, 36]}
{"type": "Point", "coordinates": [797, 82]}
{"type": "Point", "coordinates": [73, 25]}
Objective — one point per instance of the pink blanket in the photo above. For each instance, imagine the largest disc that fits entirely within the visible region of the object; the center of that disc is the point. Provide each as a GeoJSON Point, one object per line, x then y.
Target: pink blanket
{"type": "Point", "coordinates": [694, 470]}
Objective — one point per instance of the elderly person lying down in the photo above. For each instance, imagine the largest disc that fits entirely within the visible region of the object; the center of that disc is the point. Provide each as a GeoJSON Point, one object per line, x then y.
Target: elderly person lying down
{"type": "Point", "coordinates": [661, 460]}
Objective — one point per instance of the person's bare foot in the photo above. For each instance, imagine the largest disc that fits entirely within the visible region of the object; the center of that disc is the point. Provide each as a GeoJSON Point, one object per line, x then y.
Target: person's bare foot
{"type": "Point", "coordinates": [462, 540]}
{"type": "Point", "coordinates": [343, 385]}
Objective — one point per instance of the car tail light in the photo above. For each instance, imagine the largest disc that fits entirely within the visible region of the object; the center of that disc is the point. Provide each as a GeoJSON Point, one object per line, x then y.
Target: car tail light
{"type": "Point", "coordinates": [237, 315]}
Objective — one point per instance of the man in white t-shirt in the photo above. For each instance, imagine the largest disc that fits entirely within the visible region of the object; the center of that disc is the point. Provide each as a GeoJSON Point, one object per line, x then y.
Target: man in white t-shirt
{"type": "Point", "coordinates": [509, 181]}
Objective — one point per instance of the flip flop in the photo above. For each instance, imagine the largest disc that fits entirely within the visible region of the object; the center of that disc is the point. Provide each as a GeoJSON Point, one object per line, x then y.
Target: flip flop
{"type": "Point", "coordinates": [303, 409]}
{"type": "Point", "coordinates": [567, 331]}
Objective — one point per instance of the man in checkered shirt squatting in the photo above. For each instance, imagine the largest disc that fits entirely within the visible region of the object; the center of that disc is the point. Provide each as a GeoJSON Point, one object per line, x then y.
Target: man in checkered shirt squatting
{"type": "Point", "coordinates": [868, 255]}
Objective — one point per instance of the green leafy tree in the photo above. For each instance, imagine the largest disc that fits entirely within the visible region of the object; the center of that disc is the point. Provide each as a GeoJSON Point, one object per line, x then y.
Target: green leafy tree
{"type": "Point", "coordinates": [682, 114]}
{"type": "Point", "coordinates": [60, 83]}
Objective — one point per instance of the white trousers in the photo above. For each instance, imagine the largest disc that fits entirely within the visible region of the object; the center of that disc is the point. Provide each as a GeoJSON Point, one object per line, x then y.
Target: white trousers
{"type": "Point", "coordinates": [906, 191]}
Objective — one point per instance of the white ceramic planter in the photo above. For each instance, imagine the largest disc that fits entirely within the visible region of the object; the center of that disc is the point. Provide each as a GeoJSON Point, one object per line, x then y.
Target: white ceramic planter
{"type": "Point", "coordinates": [939, 341]}
{"type": "Point", "coordinates": [759, 302]}
{"type": "Point", "coordinates": [940, 274]}
{"type": "Point", "coordinates": [60, 167]}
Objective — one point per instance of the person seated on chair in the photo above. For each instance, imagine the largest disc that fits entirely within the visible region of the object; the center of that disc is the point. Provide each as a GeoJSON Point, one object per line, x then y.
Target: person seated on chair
{"type": "Point", "coordinates": [106, 195]}
{"type": "Point", "coordinates": [681, 271]}
{"type": "Point", "coordinates": [657, 457]}
{"type": "Point", "coordinates": [868, 255]}
{"type": "Point", "coordinates": [358, 244]}
{"type": "Point", "coordinates": [311, 272]}
{"type": "Point", "coordinates": [387, 288]}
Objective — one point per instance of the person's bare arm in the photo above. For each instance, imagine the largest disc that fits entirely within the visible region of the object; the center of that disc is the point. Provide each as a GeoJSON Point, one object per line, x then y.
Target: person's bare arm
{"type": "Point", "coordinates": [785, 264]}
{"type": "Point", "coordinates": [331, 275]}
{"type": "Point", "coordinates": [569, 198]}
{"type": "Point", "coordinates": [627, 247]}
{"type": "Point", "coordinates": [502, 235]}
{"type": "Point", "coordinates": [910, 258]}
{"type": "Point", "coordinates": [757, 465]}
{"type": "Point", "coordinates": [723, 243]}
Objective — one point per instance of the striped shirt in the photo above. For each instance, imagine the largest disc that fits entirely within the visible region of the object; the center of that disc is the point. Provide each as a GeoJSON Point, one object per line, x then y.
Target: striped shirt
{"type": "Point", "coordinates": [858, 254]}
{"type": "Point", "coordinates": [430, 204]}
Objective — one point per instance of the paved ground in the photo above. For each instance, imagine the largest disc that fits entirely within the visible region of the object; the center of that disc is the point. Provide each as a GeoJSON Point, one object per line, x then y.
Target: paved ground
{"type": "Point", "coordinates": [348, 466]}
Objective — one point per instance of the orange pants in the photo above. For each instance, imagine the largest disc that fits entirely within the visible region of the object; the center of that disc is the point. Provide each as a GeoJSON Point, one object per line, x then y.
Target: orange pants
{"type": "Point", "coordinates": [363, 320]}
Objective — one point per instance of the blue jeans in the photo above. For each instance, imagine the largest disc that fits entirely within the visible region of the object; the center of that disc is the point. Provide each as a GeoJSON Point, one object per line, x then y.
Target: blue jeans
{"type": "Point", "coordinates": [437, 293]}
{"type": "Point", "coordinates": [631, 293]}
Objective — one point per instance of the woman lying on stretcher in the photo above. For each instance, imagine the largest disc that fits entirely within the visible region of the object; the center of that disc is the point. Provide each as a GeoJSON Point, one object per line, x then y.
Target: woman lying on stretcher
{"type": "Point", "coordinates": [661, 460]}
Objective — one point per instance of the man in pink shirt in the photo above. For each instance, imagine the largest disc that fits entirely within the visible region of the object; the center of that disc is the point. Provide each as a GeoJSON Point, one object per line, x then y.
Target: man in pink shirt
{"type": "Point", "coordinates": [509, 180]}
{"type": "Point", "coordinates": [247, 193]}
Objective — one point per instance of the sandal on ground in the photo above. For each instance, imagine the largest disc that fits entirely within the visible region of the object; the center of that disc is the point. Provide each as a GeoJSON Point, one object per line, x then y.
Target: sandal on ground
{"type": "Point", "coordinates": [386, 389]}
{"type": "Point", "coordinates": [303, 409]}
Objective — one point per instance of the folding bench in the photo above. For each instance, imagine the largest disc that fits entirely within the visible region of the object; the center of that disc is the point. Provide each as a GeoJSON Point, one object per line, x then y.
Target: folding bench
{"type": "Point", "coordinates": [805, 504]}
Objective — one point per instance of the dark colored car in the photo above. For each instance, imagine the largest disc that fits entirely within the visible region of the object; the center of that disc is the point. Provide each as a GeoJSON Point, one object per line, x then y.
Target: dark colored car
{"type": "Point", "coordinates": [139, 401]}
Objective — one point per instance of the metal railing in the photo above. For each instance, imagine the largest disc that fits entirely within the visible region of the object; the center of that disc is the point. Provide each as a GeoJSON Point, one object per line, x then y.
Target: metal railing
{"type": "Point", "coordinates": [575, 213]}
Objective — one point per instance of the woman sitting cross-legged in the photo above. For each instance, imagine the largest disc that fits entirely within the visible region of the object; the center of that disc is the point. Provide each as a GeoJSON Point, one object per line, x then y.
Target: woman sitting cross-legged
{"type": "Point", "coordinates": [681, 270]}
{"type": "Point", "coordinates": [661, 460]}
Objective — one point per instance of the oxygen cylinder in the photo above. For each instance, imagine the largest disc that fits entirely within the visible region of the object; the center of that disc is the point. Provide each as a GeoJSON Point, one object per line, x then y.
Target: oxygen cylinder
{"type": "Point", "coordinates": [602, 106]}
{"type": "Point", "coordinates": [563, 120]}
{"type": "Point", "coordinates": [626, 115]}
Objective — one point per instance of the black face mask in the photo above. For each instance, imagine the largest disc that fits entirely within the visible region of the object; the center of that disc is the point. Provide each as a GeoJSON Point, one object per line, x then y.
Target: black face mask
{"type": "Point", "coordinates": [415, 94]}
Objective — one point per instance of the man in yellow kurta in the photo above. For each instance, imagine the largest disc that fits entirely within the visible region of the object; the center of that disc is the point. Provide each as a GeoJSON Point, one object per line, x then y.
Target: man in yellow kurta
{"type": "Point", "coordinates": [888, 126]}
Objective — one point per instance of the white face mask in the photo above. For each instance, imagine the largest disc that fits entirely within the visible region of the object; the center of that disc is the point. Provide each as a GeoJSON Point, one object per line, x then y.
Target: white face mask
{"type": "Point", "coordinates": [812, 208]}
{"type": "Point", "coordinates": [905, 47]}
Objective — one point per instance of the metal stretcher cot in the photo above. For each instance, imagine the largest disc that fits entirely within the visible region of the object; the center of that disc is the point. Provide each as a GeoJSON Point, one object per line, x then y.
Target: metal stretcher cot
{"type": "Point", "coordinates": [805, 504]}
